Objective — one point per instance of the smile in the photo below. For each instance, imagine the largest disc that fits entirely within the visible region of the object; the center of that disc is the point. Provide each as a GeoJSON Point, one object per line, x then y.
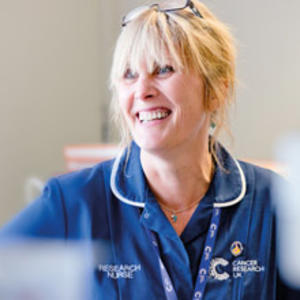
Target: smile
{"type": "Point", "coordinates": [147, 116]}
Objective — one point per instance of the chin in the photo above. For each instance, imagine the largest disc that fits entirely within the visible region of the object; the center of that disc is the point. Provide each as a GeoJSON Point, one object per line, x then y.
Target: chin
{"type": "Point", "coordinates": [150, 145]}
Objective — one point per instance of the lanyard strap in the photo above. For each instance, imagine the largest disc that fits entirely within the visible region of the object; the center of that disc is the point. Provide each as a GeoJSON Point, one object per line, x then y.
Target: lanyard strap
{"type": "Point", "coordinates": [167, 283]}
{"type": "Point", "coordinates": [204, 264]}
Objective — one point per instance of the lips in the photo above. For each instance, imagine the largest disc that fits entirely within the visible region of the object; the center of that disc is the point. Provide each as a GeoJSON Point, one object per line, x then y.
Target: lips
{"type": "Point", "coordinates": [152, 115]}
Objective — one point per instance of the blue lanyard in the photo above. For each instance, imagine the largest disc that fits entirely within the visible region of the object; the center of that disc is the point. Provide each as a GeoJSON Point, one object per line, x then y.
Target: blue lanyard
{"type": "Point", "coordinates": [204, 264]}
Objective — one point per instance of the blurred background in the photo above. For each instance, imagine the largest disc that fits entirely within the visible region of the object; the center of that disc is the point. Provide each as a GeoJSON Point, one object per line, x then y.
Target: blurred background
{"type": "Point", "coordinates": [55, 57]}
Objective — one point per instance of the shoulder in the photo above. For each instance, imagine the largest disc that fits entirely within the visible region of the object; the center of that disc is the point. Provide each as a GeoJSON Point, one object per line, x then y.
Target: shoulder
{"type": "Point", "coordinates": [86, 175]}
{"type": "Point", "coordinates": [260, 181]}
{"type": "Point", "coordinates": [65, 207]}
{"type": "Point", "coordinates": [80, 190]}
{"type": "Point", "coordinates": [84, 186]}
{"type": "Point", "coordinates": [260, 175]}
{"type": "Point", "coordinates": [78, 182]}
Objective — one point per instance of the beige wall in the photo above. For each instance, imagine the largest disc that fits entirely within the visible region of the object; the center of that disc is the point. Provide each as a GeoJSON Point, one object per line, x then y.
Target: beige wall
{"type": "Point", "coordinates": [268, 96]}
{"type": "Point", "coordinates": [54, 62]}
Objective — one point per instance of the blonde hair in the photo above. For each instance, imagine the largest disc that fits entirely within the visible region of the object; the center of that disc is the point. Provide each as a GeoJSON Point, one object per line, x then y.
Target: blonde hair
{"type": "Point", "coordinates": [203, 45]}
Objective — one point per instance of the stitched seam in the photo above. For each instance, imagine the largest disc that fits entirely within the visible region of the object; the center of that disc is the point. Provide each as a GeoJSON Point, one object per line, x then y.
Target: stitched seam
{"type": "Point", "coordinates": [63, 204]}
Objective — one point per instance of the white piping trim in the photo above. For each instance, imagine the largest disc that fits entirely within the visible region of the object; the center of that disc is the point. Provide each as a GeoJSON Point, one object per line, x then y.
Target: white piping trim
{"type": "Point", "coordinates": [113, 183]}
{"type": "Point", "coordinates": [140, 204]}
{"type": "Point", "coordinates": [243, 189]}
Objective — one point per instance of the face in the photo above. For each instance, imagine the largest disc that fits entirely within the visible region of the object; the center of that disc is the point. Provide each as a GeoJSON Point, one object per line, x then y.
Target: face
{"type": "Point", "coordinates": [163, 109]}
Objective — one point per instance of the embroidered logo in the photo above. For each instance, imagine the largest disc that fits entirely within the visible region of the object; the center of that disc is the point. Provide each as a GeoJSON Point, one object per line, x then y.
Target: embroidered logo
{"type": "Point", "coordinates": [236, 248]}
{"type": "Point", "coordinates": [240, 267]}
{"type": "Point", "coordinates": [213, 271]}
{"type": "Point", "coordinates": [119, 271]}
{"type": "Point", "coordinates": [237, 268]}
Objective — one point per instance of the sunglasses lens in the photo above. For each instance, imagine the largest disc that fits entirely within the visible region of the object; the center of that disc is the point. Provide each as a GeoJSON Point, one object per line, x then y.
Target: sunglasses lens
{"type": "Point", "coordinates": [172, 4]}
{"type": "Point", "coordinates": [133, 14]}
{"type": "Point", "coordinates": [164, 5]}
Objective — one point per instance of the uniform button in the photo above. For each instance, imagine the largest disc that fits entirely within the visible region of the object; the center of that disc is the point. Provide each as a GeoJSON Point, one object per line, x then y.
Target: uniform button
{"type": "Point", "coordinates": [146, 215]}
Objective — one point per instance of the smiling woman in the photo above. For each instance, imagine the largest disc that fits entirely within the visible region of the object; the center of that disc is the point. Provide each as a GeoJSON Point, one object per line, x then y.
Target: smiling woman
{"type": "Point", "coordinates": [181, 217]}
{"type": "Point", "coordinates": [161, 112]}
{"type": "Point", "coordinates": [170, 43]}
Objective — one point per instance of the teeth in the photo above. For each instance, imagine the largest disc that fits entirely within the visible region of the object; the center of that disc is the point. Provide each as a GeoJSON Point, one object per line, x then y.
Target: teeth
{"type": "Point", "coordinates": [146, 116]}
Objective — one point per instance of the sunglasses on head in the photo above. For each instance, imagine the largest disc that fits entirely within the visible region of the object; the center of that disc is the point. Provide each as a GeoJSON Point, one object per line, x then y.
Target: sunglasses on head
{"type": "Point", "coordinates": [166, 6]}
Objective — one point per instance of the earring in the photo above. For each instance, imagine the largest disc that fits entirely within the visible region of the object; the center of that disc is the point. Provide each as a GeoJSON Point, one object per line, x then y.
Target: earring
{"type": "Point", "coordinates": [212, 125]}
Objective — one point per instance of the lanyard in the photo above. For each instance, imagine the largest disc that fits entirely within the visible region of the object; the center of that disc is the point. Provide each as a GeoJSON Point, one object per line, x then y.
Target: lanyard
{"type": "Point", "coordinates": [204, 264]}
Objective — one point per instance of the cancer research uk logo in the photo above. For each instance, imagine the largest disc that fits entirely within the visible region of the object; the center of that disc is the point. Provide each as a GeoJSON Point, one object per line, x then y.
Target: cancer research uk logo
{"type": "Point", "coordinates": [236, 248]}
{"type": "Point", "coordinates": [119, 271]}
{"type": "Point", "coordinates": [220, 267]}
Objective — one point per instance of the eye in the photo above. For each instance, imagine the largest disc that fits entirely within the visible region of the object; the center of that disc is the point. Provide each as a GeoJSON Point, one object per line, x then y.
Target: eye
{"type": "Point", "coordinates": [164, 70]}
{"type": "Point", "coordinates": [129, 74]}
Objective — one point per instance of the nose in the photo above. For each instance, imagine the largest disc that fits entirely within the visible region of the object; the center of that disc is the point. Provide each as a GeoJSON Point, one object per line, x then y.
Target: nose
{"type": "Point", "coordinates": [145, 88]}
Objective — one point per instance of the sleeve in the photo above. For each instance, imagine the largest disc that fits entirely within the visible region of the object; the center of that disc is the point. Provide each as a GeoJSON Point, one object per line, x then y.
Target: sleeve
{"type": "Point", "coordinates": [44, 218]}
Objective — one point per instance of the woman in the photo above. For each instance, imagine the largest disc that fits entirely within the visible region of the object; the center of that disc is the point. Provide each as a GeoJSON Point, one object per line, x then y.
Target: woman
{"type": "Point", "coordinates": [182, 219]}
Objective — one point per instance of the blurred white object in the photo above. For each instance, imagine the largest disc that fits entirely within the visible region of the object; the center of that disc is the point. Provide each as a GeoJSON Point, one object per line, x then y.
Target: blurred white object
{"type": "Point", "coordinates": [288, 210]}
{"type": "Point", "coordinates": [33, 187]}
{"type": "Point", "coordinates": [42, 271]}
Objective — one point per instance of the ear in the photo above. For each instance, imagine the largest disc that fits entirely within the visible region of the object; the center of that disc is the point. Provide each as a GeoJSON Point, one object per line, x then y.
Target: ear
{"type": "Point", "coordinates": [213, 104]}
{"type": "Point", "coordinates": [215, 100]}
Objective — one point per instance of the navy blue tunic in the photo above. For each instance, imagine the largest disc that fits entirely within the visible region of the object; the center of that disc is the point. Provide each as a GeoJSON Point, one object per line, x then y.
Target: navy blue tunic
{"type": "Point", "coordinates": [111, 203]}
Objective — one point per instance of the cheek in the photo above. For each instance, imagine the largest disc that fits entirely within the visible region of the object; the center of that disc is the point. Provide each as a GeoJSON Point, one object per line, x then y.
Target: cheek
{"type": "Point", "coordinates": [124, 99]}
{"type": "Point", "coordinates": [124, 110]}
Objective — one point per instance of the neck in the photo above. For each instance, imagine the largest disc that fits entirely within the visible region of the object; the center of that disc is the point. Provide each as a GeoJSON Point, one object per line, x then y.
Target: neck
{"type": "Point", "coordinates": [180, 177]}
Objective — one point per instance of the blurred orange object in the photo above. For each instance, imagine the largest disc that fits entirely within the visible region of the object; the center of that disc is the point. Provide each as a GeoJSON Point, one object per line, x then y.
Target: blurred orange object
{"type": "Point", "coordinates": [78, 157]}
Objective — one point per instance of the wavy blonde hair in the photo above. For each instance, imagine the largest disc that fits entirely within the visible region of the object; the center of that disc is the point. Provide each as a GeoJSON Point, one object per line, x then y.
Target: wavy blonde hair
{"type": "Point", "coordinates": [202, 45]}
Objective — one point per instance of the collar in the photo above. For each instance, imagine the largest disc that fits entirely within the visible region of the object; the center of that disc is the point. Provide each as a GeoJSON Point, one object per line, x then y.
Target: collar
{"type": "Point", "coordinates": [129, 185]}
